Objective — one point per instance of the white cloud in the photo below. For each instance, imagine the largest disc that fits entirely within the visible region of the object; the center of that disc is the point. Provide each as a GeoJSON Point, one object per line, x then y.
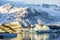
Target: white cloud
{"type": "Point", "coordinates": [38, 1]}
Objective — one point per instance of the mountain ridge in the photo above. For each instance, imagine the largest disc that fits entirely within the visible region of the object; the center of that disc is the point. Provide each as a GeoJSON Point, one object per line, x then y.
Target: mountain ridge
{"type": "Point", "coordinates": [25, 15]}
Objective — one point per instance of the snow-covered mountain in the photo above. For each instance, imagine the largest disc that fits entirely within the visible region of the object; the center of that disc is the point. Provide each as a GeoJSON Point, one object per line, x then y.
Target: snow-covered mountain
{"type": "Point", "coordinates": [25, 15]}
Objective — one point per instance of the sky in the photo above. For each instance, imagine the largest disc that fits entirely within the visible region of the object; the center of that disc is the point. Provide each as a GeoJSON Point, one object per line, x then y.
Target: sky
{"type": "Point", "coordinates": [37, 1]}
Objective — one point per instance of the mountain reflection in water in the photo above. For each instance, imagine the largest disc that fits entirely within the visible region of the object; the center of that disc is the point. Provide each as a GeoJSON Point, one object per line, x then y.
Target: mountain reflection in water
{"type": "Point", "coordinates": [34, 36]}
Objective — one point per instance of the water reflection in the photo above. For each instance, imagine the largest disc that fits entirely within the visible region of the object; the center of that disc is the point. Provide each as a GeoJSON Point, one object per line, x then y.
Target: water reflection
{"type": "Point", "coordinates": [34, 36]}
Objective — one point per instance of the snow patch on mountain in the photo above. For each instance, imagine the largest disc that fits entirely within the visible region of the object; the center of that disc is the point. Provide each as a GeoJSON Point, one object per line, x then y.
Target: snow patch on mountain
{"type": "Point", "coordinates": [24, 15]}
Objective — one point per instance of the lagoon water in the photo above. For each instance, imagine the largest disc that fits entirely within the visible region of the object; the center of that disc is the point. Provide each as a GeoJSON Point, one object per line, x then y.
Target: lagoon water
{"type": "Point", "coordinates": [34, 36]}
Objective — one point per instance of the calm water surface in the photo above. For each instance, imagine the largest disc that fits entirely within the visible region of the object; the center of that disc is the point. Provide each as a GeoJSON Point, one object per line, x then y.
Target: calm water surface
{"type": "Point", "coordinates": [34, 36]}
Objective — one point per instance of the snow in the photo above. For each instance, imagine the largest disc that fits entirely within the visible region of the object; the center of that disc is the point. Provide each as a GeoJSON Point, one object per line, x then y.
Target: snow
{"type": "Point", "coordinates": [27, 14]}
